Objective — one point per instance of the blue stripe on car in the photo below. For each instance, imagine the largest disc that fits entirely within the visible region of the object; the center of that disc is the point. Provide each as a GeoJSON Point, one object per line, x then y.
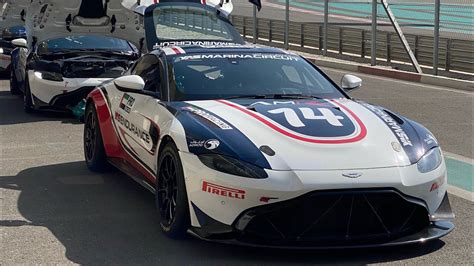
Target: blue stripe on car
{"type": "Point", "coordinates": [201, 125]}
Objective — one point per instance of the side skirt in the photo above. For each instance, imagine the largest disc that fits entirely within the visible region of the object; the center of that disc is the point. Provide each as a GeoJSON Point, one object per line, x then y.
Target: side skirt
{"type": "Point", "coordinates": [130, 171]}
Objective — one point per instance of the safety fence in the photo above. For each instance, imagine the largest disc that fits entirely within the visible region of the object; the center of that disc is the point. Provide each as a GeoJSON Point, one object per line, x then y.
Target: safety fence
{"type": "Point", "coordinates": [454, 54]}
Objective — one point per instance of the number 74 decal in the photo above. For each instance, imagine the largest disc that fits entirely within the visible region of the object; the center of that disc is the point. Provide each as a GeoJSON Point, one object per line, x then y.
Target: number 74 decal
{"type": "Point", "coordinates": [294, 120]}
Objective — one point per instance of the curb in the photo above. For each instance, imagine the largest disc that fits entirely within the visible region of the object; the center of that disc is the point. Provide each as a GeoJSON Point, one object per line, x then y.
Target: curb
{"type": "Point", "coordinates": [393, 73]}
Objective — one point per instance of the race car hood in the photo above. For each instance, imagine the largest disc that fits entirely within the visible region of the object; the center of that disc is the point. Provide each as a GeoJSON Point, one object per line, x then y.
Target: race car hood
{"type": "Point", "coordinates": [58, 18]}
{"type": "Point", "coordinates": [13, 13]}
{"type": "Point", "coordinates": [304, 134]}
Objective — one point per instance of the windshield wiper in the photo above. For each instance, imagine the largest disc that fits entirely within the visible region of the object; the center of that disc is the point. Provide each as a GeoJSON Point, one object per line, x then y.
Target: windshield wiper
{"type": "Point", "coordinates": [273, 96]}
{"type": "Point", "coordinates": [250, 96]}
{"type": "Point", "coordinates": [74, 51]}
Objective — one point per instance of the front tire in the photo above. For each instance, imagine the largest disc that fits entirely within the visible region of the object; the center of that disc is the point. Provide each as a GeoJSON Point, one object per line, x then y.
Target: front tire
{"type": "Point", "coordinates": [94, 151]}
{"type": "Point", "coordinates": [171, 196]}
{"type": "Point", "coordinates": [28, 105]}
{"type": "Point", "coordinates": [14, 90]}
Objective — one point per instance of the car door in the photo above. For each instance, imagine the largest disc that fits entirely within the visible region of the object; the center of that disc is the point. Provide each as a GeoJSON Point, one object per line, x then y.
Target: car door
{"type": "Point", "coordinates": [139, 116]}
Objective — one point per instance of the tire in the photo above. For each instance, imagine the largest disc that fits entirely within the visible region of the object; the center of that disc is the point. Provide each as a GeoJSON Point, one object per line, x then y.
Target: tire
{"type": "Point", "coordinates": [14, 90]}
{"type": "Point", "coordinates": [94, 151]}
{"type": "Point", "coordinates": [28, 105]}
{"type": "Point", "coordinates": [171, 197]}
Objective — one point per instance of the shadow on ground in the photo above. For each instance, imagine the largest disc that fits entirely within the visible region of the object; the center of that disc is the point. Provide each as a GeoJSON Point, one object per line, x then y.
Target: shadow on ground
{"type": "Point", "coordinates": [11, 110]}
{"type": "Point", "coordinates": [108, 218]}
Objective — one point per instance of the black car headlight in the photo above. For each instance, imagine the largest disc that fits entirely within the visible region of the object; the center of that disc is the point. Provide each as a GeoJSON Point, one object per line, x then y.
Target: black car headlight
{"type": "Point", "coordinates": [430, 161]}
{"type": "Point", "coordinates": [52, 76]}
{"type": "Point", "coordinates": [232, 166]}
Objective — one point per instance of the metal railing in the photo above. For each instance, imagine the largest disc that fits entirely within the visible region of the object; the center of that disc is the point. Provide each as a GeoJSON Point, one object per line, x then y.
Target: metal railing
{"type": "Point", "coordinates": [453, 54]}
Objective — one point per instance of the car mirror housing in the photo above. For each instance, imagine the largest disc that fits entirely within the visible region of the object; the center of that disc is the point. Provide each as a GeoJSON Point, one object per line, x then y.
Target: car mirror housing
{"type": "Point", "coordinates": [130, 83]}
{"type": "Point", "coordinates": [19, 43]}
{"type": "Point", "coordinates": [351, 82]}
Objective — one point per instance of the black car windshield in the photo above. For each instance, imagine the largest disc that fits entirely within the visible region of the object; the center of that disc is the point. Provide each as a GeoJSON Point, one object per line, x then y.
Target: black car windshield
{"type": "Point", "coordinates": [218, 76]}
{"type": "Point", "coordinates": [82, 43]}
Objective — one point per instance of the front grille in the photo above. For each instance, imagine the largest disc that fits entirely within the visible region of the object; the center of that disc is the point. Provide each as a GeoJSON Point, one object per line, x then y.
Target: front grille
{"type": "Point", "coordinates": [72, 98]}
{"type": "Point", "coordinates": [94, 69]}
{"type": "Point", "coordinates": [333, 218]}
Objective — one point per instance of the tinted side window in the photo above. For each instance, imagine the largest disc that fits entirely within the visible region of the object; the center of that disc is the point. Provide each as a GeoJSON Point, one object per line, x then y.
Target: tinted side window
{"type": "Point", "coordinates": [145, 65]}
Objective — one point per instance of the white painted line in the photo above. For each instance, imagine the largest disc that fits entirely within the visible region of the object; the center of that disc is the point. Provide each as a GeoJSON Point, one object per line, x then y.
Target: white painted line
{"type": "Point", "coordinates": [458, 157]}
{"type": "Point", "coordinates": [467, 195]}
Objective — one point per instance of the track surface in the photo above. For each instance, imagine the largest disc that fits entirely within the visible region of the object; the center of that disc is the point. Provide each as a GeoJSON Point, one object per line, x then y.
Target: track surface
{"type": "Point", "coordinates": [53, 210]}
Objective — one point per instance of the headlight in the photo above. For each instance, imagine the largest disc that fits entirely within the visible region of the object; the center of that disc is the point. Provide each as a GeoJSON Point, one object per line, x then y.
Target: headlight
{"type": "Point", "coordinates": [232, 166]}
{"type": "Point", "coordinates": [1, 50]}
{"type": "Point", "coordinates": [50, 76]}
{"type": "Point", "coordinates": [430, 161]}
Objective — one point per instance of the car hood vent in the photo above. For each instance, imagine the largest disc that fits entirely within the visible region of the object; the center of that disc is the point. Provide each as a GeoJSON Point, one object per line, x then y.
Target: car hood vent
{"type": "Point", "coordinates": [395, 117]}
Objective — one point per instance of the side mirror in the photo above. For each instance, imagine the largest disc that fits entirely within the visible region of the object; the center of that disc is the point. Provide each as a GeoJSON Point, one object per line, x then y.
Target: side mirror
{"type": "Point", "coordinates": [130, 83]}
{"type": "Point", "coordinates": [20, 43]}
{"type": "Point", "coordinates": [350, 82]}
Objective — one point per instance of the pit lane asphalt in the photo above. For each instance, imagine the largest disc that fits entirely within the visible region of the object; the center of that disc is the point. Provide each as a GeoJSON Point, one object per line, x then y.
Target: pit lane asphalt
{"type": "Point", "coordinates": [53, 210]}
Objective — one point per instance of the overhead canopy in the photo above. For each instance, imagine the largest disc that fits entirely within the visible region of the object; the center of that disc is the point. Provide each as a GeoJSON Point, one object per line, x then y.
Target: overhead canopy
{"type": "Point", "coordinates": [49, 19]}
{"type": "Point", "coordinates": [224, 6]}
{"type": "Point", "coordinates": [13, 13]}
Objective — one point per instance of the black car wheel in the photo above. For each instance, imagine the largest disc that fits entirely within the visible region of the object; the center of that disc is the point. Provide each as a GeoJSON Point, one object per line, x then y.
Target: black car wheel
{"type": "Point", "coordinates": [27, 98]}
{"type": "Point", "coordinates": [94, 152]}
{"type": "Point", "coordinates": [14, 90]}
{"type": "Point", "coordinates": [171, 197]}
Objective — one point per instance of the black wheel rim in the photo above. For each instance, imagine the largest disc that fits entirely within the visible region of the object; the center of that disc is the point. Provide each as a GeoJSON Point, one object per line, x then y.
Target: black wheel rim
{"type": "Point", "coordinates": [90, 136]}
{"type": "Point", "coordinates": [167, 190]}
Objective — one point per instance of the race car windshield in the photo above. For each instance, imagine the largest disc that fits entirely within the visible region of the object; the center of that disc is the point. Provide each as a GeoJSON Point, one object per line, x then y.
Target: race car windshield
{"type": "Point", "coordinates": [84, 43]}
{"type": "Point", "coordinates": [187, 21]}
{"type": "Point", "coordinates": [219, 76]}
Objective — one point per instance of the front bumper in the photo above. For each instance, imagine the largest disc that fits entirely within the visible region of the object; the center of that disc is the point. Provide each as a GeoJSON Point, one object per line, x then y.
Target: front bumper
{"type": "Point", "coordinates": [222, 206]}
{"type": "Point", "coordinates": [403, 220]}
{"type": "Point", "coordinates": [60, 94]}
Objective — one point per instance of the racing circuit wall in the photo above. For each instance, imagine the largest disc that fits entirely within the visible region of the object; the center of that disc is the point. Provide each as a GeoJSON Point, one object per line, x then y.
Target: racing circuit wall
{"type": "Point", "coordinates": [349, 31]}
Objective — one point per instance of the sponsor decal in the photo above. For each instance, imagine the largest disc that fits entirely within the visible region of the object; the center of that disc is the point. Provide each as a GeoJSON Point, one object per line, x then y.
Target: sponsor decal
{"type": "Point", "coordinates": [223, 191]}
{"type": "Point", "coordinates": [284, 57]}
{"type": "Point", "coordinates": [210, 144]}
{"type": "Point", "coordinates": [267, 199]}
{"type": "Point", "coordinates": [394, 126]}
{"type": "Point", "coordinates": [209, 117]}
{"type": "Point", "coordinates": [196, 143]}
{"type": "Point", "coordinates": [132, 128]}
{"type": "Point", "coordinates": [205, 44]}
{"type": "Point", "coordinates": [430, 139]}
{"type": "Point", "coordinates": [127, 102]}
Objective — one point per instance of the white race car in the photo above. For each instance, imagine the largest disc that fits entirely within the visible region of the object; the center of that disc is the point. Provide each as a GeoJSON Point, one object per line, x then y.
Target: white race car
{"type": "Point", "coordinates": [71, 47]}
{"type": "Point", "coordinates": [257, 146]}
